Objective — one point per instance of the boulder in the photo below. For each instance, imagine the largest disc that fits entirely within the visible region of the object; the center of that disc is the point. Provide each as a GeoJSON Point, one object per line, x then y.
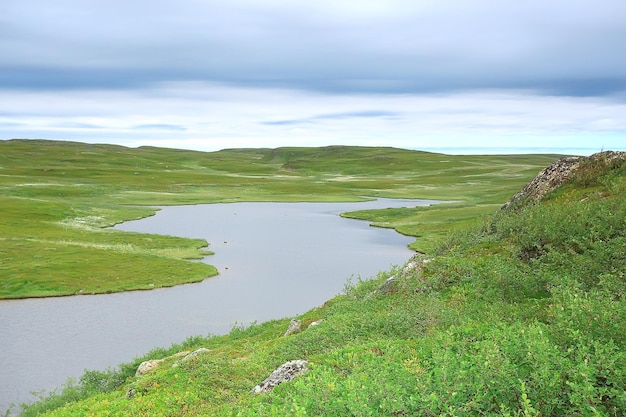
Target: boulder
{"type": "Point", "coordinates": [284, 373]}
{"type": "Point", "coordinates": [148, 366]}
{"type": "Point", "coordinates": [294, 327]}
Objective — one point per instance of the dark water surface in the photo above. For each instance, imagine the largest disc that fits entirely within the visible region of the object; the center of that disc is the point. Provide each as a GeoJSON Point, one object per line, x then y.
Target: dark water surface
{"type": "Point", "coordinates": [275, 260]}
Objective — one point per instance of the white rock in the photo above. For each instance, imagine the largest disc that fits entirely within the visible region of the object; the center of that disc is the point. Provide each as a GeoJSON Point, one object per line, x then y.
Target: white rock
{"type": "Point", "coordinates": [284, 373]}
{"type": "Point", "coordinates": [148, 366]}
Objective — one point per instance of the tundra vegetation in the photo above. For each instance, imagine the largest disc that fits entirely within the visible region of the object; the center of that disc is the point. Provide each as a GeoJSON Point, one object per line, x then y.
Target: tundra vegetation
{"type": "Point", "coordinates": [518, 314]}
{"type": "Point", "coordinates": [58, 197]}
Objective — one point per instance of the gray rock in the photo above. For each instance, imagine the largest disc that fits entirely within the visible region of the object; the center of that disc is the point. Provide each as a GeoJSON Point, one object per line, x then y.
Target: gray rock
{"type": "Point", "coordinates": [131, 394]}
{"type": "Point", "coordinates": [413, 266]}
{"type": "Point", "coordinates": [284, 373]}
{"type": "Point", "coordinates": [187, 355]}
{"type": "Point", "coordinates": [294, 327]}
{"type": "Point", "coordinates": [148, 366]}
{"type": "Point", "coordinates": [548, 179]}
{"type": "Point", "coordinates": [557, 174]}
{"type": "Point", "coordinates": [195, 353]}
{"type": "Point", "coordinates": [388, 285]}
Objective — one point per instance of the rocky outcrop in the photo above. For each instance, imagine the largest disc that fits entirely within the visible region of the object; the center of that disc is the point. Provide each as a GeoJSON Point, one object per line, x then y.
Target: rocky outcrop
{"type": "Point", "coordinates": [284, 373]}
{"type": "Point", "coordinates": [558, 173]}
{"type": "Point", "coordinates": [547, 180]}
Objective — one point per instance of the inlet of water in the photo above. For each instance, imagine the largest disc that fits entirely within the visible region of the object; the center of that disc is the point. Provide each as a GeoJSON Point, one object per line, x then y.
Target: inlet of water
{"type": "Point", "coordinates": [275, 260]}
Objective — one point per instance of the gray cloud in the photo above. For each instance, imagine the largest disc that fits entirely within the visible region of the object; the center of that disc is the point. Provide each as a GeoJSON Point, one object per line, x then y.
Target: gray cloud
{"type": "Point", "coordinates": [555, 47]}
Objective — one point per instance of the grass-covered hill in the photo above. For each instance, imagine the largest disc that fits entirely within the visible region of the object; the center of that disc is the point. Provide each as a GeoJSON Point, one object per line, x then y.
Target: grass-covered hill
{"type": "Point", "coordinates": [521, 315]}
{"type": "Point", "coordinates": [57, 198]}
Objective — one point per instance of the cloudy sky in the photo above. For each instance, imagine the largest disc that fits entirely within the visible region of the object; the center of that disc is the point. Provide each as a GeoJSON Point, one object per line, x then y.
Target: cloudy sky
{"type": "Point", "coordinates": [446, 75]}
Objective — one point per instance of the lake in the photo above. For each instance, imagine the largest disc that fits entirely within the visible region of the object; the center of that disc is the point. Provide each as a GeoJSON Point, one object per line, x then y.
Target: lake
{"type": "Point", "coordinates": [275, 260]}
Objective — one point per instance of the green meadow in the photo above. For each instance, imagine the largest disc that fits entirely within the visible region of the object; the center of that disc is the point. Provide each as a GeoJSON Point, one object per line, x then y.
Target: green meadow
{"type": "Point", "coordinates": [517, 312]}
{"type": "Point", "coordinates": [58, 198]}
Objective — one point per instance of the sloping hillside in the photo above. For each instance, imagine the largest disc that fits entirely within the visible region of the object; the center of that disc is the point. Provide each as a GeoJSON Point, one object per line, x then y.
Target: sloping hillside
{"type": "Point", "coordinates": [522, 316]}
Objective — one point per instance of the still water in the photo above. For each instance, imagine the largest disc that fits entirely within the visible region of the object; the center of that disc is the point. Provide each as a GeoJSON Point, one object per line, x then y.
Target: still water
{"type": "Point", "coordinates": [275, 260]}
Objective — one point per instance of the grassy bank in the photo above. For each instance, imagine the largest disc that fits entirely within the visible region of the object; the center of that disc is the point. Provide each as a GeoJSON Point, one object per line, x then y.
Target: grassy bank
{"type": "Point", "coordinates": [57, 199]}
{"type": "Point", "coordinates": [521, 315]}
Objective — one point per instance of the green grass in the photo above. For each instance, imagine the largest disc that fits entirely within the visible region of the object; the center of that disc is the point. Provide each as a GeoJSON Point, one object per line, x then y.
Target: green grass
{"type": "Point", "coordinates": [57, 198]}
{"type": "Point", "coordinates": [50, 248]}
{"type": "Point", "coordinates": [521, 315]}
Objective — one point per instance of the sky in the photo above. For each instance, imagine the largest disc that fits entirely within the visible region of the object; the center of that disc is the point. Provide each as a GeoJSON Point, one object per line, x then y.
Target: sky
{"type": "Point", "coordinates": [454, 76]}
